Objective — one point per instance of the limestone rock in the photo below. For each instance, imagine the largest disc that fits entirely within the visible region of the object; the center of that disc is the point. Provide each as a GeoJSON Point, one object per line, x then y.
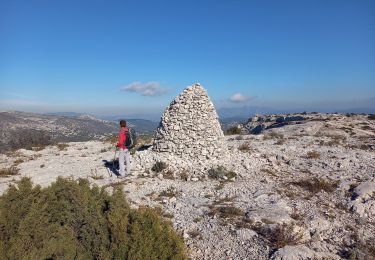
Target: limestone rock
{"type": "Point", "coordinates": [364, 202]}
{"type": "Point", "coordinates": [300, 252]}
{"type": "Point", "coordinates": [277, 212]}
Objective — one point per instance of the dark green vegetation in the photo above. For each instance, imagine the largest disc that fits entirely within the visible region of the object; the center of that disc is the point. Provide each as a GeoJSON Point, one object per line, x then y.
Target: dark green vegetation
{"type": "Point", "coordinates": [159, 166]}
{"type": "Point", "coordinates": [70, 220]}
{"type": "Point", "coordinates": [234, 130]}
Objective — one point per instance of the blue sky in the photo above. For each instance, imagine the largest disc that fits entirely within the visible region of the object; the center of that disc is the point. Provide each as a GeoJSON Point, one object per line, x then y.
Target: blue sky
{"type": "Point", "coordinates": [134, 57]}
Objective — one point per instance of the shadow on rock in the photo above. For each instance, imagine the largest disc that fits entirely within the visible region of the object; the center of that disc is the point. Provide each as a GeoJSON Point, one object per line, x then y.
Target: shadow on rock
{"type": "Point", "coordinates": [112, 167]}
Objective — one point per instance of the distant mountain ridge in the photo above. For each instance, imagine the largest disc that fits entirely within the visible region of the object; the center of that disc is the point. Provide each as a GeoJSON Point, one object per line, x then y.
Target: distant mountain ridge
{"type": "Point", "coordinates": [142, 126]}
{"type": "Point", "coordinates": [23, 129]}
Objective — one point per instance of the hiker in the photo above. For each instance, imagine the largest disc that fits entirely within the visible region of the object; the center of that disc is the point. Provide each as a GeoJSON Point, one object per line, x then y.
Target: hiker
{"type": "Point", "coordinates": [124, 154]}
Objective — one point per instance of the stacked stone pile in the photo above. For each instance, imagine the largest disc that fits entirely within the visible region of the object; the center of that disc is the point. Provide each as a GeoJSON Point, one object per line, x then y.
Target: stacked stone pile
{"type": "Point", "coordinates": [190, 128]}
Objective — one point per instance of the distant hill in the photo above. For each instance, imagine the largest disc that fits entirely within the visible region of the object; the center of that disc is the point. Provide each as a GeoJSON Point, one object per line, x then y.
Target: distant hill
{"type": "Point", "coordinates": [142, 126]}
{"type": "Point", "coordinates": [22, 129]}
{"type": "Point", "coordinates": [68, 114]}
{"type": "Point", "coordinates": [227, 113]}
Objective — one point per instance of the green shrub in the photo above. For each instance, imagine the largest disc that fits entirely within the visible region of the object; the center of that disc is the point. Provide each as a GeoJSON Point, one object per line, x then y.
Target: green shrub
{"type": "Point", "coordinates": [70, 220]}
{"type": "Point", "coordinates": [234, 130]}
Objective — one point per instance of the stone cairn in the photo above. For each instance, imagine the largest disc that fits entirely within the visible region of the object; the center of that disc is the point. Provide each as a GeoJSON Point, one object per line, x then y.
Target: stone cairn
{"type": "Point", "coordinates": [190, 128]}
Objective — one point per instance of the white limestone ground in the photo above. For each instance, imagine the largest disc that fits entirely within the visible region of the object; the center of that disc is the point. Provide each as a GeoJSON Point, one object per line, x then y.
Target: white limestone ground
{"type": "Point", "coordinates": [326, 222]}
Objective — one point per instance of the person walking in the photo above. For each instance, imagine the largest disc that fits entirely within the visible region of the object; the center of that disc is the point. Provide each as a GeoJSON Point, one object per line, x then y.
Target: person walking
{"type": "Point", "coordinates": [124, 154]}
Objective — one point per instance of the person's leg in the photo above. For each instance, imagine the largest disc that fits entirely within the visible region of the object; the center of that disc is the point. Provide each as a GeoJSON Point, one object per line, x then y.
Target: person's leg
{"type": "Point", "coordinates": [127, 160]}
{"type": "Point", "coordinates": [121, 158]}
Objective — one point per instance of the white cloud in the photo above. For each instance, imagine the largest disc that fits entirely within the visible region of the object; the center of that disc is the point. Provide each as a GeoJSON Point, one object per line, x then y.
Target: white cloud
{"type": "Point", "coordinates": [239, 98]}
{"type": "Point", "coordinates": [151, 88]}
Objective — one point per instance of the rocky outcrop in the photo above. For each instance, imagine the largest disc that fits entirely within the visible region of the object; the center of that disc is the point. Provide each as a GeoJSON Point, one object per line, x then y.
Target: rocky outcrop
{"type": "Point", "coordinates": [364, 200]}
{"type": "Point", "coordinates": [258, 124]}
{"type": "Point", "coordinates": [190, 128]}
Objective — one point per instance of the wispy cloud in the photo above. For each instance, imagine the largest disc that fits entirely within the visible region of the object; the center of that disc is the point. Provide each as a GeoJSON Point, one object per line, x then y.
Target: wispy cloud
{"type": "Point", "coordinates": [239, 98]}
{"type": "Point", "coordinates": [151, 88]}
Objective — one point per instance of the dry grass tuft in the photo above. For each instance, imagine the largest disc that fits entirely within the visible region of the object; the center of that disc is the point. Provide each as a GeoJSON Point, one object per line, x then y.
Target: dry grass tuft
{"type": "Point", "coordinates": [234, 130]}
{"type": "Point", "coordinates": [94, 175]}
{"type": "Point", "coordinates": [281, 235]}
{"type": "Point", "coordinates": [184, 175]}
{"type": "Point", "coordinates": [159, 166]}
{"type": "Point", "coordinates": [221, 172]}
{"type": "Point", "coordinates": [315, 185]}
{"type": "Point", "coordinates": [62, 146]}
{"type": "Point", "coordinates": [273, 135]}
{"type": "Point", "coordinates": [168, 193]}
{"type": "Point", "coordinates": [245, 147]}
{"type": "Point", "coordinates": [168, 175]}
{"type": "Point", "coordinates": [10, 171]}
{"type": "Point", "coordinates": [195, 234]}
{"type": "Point", "coordinates": [18, 161]}
{"type": "Point", "coordinates": [313, 155]}
{"type": "Point", "coordinates": [225, 212]}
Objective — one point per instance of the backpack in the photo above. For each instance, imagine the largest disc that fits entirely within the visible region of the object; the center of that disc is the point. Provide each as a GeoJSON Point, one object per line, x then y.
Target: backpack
{"type": "Point", "coordinates": [130, 140]}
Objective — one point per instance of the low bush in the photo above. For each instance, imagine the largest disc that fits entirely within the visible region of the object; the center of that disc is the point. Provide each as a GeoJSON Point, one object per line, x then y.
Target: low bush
{"type": "Point", "coordinates": [29, 139]}
{"type": "Point", "coordinates": [159, 166]}
{"type": "Point", "coordinates": [273, 135]}
{"type": "Point", "coordinates": [371, 117]}
{"type": "Point", "coordinates": [168, 175]}
{"type": "Point", "coordinates": [70, 220]}
{"type": "Point", "coordinates": [62, 146]}
{"type": "Point", "coordinates": [234, 130]}
{"type": "Point", "coordinates": [195, 234]}
{"type": "Point", "coordinates": [169, 193]}
{"type": "Point", "coordinates": [226, 212]}
{"type": "Point", "coordinates": [315, 185]}
{"type": "Point", "coordinates": [10, 171]}
{"type": "Point", "coordinates": [361, 250]}
{"type": "Point", "coordinates": [281, 235]}
{"type": "Point", "coordinates": [245, 147]}
{"type": "Point", "coordinates": [221, 173]}
{"type": "Point", "coordinates": [313, 155]}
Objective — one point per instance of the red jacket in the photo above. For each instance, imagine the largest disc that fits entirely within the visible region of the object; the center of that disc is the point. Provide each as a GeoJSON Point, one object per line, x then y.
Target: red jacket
{"type": "Point", "coordinates": [122, 138]}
